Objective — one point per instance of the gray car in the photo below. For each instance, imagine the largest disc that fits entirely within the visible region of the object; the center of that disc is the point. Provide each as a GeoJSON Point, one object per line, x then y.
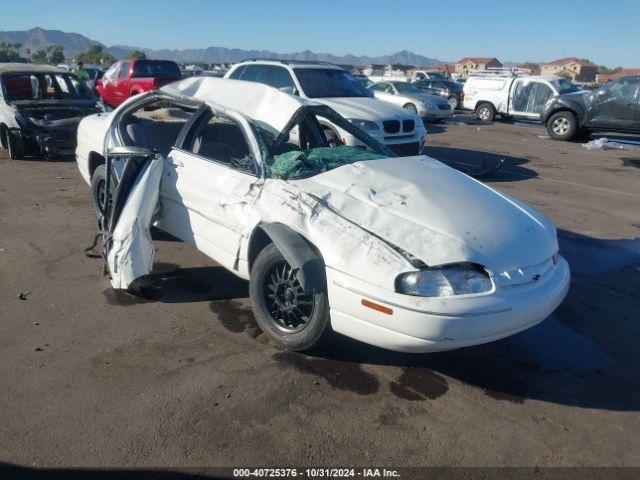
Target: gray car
{"type": "Point", "coordinates": [427, 106]}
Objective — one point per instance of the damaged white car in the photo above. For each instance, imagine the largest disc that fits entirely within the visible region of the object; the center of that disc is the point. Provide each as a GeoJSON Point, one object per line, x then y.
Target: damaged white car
{"type": "Point", "coordinates": [403, 253]}
{"type": "Point", "coordinates": [40, 108]}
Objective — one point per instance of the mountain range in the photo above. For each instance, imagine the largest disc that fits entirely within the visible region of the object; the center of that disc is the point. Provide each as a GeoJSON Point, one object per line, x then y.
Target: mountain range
{"type": "Point", "coordinates": [74, 43]}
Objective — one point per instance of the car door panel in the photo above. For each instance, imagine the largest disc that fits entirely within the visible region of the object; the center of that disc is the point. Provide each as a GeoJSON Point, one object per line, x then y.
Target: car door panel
{"type": "Point", "coordinates": [528, 97]}
{"type": "Point", "coordinates": [207, 203]}
{"type": "Point", "coordinates": [614, 105]}
{"type": "Point", "coordinates": [202, 205]}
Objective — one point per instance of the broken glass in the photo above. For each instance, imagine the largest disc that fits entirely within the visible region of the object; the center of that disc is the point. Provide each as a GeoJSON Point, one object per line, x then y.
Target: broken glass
{"type": "Point", "coordinates": [303, 163]}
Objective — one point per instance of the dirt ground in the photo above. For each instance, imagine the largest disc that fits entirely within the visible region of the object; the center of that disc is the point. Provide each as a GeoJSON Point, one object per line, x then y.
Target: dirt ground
{"type": "Point", "coordinates": [93, 378]}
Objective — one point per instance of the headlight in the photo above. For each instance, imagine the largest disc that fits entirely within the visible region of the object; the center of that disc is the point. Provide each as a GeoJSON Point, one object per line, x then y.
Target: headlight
{"type": "Point", "coordinates": [364, 124]}
{"type": "Point", "coordinates": [458, 279]}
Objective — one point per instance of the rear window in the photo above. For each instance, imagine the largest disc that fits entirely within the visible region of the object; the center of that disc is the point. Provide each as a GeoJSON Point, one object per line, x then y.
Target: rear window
{"type": "Point", "coordinates": [156, 69]}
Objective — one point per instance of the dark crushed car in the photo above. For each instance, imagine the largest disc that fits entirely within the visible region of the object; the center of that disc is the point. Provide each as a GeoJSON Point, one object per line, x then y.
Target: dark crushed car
{"type": "Point", "coordinates": [614, 107]}
{"type": "Point", "coordinates": [448, 89]}
{"type": "Point", "coordinates": [40, 108]}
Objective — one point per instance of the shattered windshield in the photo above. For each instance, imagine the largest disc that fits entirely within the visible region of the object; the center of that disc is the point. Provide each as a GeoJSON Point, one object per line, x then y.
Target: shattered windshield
{"type": "Point", "coordinates": [306, 163]}
{"type": "Point", "coordinates": [310, 145]}
{"type": "Point", "coordinates": [43, 86]}
{"type": "Point", "coordinates": [562, 85]}
{"type": "Point", "coordinates": [329, 82]}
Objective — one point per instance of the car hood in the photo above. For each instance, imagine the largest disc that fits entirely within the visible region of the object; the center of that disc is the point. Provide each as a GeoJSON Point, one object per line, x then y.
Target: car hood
{"type": "Point", "coordinates": [364, 108]}
{"type": "Point", "coordinates": [435, 213]}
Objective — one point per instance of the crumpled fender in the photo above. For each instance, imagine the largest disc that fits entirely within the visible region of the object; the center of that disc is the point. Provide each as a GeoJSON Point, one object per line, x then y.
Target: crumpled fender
{"type": "Point", "coordinates": [299, 254]}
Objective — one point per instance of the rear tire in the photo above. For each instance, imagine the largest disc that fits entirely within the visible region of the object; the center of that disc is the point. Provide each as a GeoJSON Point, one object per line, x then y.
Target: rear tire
{"type": "Point", "coordinates": [15, 146]}
{"type": "Point", "coordinates": [294, 319]}
{"type": "Point", "coordinates": [486, 112]}
{"type": "Point", "coordinates": [562, 125]}
{"type": "Point", "coordinates": [98, 183]}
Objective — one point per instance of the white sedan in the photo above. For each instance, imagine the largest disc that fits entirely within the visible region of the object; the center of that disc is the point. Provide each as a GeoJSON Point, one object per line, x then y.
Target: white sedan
{"type": "Point", "coordinates": [403, 253]}
{"type": "Point", "coordinates": [404, 94]}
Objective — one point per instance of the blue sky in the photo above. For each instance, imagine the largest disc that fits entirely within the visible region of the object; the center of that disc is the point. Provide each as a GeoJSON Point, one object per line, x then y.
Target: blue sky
{"type": "Point", "coordinates": [607, 32]}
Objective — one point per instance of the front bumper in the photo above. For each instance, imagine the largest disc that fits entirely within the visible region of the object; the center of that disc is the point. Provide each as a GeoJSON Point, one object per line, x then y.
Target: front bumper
{"type": "Point", "coordinates": [435, 114]}
{"type": "Point", "coordinates": [55, 143]}
{"type": "Point", "coordinates": [419, 324]}
{"type": "Point", "coordinates": [402, 145]}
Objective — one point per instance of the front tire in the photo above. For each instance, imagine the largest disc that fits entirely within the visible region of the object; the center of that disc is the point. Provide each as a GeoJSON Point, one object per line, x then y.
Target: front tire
{"type": "Point", "coordinates": [295, 319]}
{"type": "Point", "coordinates": [562, 126]}
{"type": "Point", "coordinates": [15, 146]}
{"type": "Point", "coordinates": [98, 184]}
{"type": "Point", "coordinates": [486, 112]}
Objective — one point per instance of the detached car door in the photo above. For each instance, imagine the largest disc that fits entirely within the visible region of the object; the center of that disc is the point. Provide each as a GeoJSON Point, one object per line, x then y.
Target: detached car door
{"type": "Point", "coordinates": [615, 104]}
{"type": "Point", "coordinates": [528, 97]}
{"type": "Point", "coordinates": [209, 187]}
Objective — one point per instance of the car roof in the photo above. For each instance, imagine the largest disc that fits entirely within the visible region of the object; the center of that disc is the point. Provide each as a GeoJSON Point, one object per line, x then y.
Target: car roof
{"type": "Point", "coordinates": [266, 105]}
{"type": "Point", "coordinates": [291, 63]}
{"type": "Point", "coordinates": [29, 68]}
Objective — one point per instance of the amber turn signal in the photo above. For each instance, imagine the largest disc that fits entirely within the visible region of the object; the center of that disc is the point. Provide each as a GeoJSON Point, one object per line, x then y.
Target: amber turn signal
{"type": "Point", "coordinates": [377, 307]}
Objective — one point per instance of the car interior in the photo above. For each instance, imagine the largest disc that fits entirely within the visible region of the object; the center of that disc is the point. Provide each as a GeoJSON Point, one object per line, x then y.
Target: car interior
{"type": "Point", "coordinates": [156, 126]}
{"type": "Point", "coordinates": [222, 140]}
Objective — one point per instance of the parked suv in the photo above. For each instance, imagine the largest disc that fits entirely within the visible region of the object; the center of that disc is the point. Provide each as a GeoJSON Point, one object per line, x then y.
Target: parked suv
{"type": "Point", "coordinates": [613, 107]}
{"type": "Point", "coordinates": [131, 77]}
{"type": "Point", "coordinates": [448, 89]}
{"type": "Point", "coordinates": [400, 130]}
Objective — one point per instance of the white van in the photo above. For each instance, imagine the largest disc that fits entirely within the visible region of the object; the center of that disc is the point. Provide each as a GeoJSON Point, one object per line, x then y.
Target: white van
{"type": "Point", "coordinates": [511, 93]}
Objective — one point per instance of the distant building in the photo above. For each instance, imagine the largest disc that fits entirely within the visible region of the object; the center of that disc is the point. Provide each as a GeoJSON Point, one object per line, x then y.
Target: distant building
{"type": "Point", "coordinates": [579, 71]}
{"type": "Point", "coordinates": [534, 71]}
{"type": "Point", "coordinates": [378, 73]}
{"type": "Point", "coordinates": [373, 70]}
{"type": "Point", "coordinates": [468, 64]}
{"type": "Point", "coordinates": [443, 68]}
{"type": "Point", "coordinates": [603, 78]}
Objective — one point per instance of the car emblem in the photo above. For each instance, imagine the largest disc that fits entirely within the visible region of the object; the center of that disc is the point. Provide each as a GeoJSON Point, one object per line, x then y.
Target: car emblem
{"type": "Point", "coordinates": [536, 277]}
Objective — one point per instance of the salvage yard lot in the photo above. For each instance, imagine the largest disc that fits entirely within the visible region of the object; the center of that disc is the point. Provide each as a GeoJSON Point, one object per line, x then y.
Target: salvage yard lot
{"type": "Point", "coordinates": [94, 378]}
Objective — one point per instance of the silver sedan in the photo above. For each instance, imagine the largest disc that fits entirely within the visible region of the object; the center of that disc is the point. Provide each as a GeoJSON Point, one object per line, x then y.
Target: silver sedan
{"type": "Point", "coordinates": [429, 107]}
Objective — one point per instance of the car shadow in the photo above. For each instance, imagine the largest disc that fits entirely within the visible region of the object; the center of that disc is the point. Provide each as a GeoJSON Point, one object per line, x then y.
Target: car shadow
{"type": "Point", "coordinates": [630, 162]}
{"type": "Point", "coordinates": [470, 161]}
{"type": "Point", "coordinates": [171, 283]}
{"type": "Point", "coordinates": [196, 284]}
{"type": "Point", "coordinates": [584, 355]}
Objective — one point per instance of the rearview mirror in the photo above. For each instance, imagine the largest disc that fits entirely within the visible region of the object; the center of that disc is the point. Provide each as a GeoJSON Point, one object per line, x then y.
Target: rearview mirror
{"type": "Point", "coordinates": [130, 152]}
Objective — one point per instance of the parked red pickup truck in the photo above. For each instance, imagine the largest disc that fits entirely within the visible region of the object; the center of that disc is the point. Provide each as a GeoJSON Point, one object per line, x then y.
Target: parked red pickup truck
{"type": "Point", "coordinates": [131, 77]}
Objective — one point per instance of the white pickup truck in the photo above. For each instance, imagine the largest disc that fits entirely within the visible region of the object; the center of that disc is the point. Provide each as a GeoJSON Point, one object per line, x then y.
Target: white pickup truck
{"type": "Point", "coordinates": [512, 94]}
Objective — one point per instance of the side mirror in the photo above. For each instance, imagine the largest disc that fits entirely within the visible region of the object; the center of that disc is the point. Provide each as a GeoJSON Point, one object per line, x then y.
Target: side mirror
{"type": "Point", "coordinates": [289, 90]}
{"type": "Point", "coordinates": [130, 152]}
